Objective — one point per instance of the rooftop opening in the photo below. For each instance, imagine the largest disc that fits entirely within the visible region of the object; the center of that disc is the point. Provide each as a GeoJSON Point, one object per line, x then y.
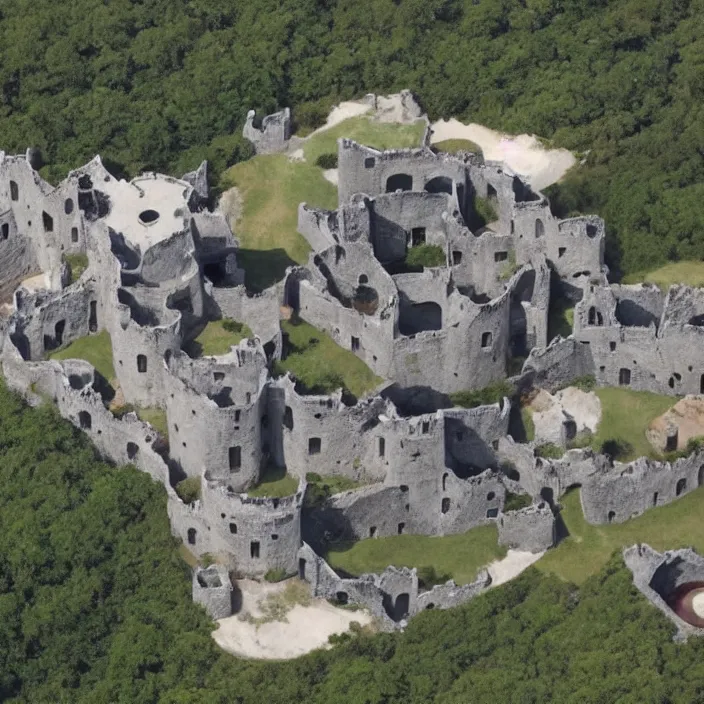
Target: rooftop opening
{"type": "Point", "coordinates": [148, 217]}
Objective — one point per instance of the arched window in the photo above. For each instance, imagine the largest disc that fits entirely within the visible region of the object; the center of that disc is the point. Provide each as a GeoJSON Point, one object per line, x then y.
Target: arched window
{"type": "Point", "coordinates": [191, 536]}
{"type": "Point", "coordinates": [539, 228]}
{"type": "Point", "coordinates": [681, 486]}
{"type": "Point", "coordinates": [14, 191]}
{"type": "Point", "coordinates": [399, 182]}
{"type": "Point", "coordinates": [84, 420]}
{"type": "Point", "coordinates": [141, 363]}
{"type": "Point", "coordinates": [68, 206]}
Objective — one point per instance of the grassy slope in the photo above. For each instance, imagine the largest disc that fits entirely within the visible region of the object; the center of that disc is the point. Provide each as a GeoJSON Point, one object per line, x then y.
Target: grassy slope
{"type": "Point", "coordinates": [95, 349]}
{"type": "Point", "coordinates": [312, 363]}
{"type": "Point", "coordinates": [272, 186]}
{"type": "Point", "coordinates": [626, 415]}
{"type": "Point", "coordinates": [155, 417]}
{"type": "Point", "coordinates": [380, 135]}
{"type": "Point", "coordinates": [275, 483]}
{"type": "Point", "coordinates": [685, 272]}
{"type": "Point", "coordinates": [215, 340]}
{"type": "Point", "coordinates": [588, 548]}
{"type": "Point", "coordinates": [452, 146]}
{"type": "Point", "coordinates": [458, 555]}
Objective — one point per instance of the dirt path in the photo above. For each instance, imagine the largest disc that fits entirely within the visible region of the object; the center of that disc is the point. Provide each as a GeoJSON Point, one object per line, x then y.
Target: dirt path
{"type": "Point", "coordinates": [511, 566]}
{"type": "Point", "coordinates": [302, 629]}
{"type": "Point", "coordinates": [524, 154]}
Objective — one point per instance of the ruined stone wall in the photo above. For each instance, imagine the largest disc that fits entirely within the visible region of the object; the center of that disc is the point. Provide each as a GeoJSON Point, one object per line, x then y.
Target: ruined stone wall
{"type": "Point", "coordinates": [559, 363]}
{"type": "Point", "coordinates": [469, 353]}
{"type": "Point", "coordinates": [318, 226]}
{"type": "Point", "coordinates": [365, 170]}
{"type": "Point", "coordinates": [259, 311]}
{"type": "Point", "coordinates": [274, 133]}
{"type": "Point", "coordinates": [216, 409]}
{"type": "Point", "coordinates": [323, 435]}
{"type": "Point", "coordinates": [577, 247]}
{"type": "Point", "coordinates": [628, 490]}
{"type": "Point", "coordinates": [48, 322]}
{"type": "Point", "coordinates": [531, 528]}
{"type": "Point", "coordinates": [211, 587]}
{"type": "Point", "coordinates": [472, 435]}
{"type": "Point", "coordinates": [374, 334]}
{"type": "Point", "coordinates": [256, 534]}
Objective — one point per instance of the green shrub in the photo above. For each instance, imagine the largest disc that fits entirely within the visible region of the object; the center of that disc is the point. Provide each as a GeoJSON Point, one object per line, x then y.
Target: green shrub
{"type": "Point", "coordinates": [277, 574]}
{"type": "Point", "coordinates": [528, 424]}
{"type": "Point", "coordinates": [77, 263]}
{"type": "Point", "coordinates": [582, 439]}
{"type": "Point", "coordinates": [515, 502]}
{"type": "Point", "coordinates": [692, 446]}
{"type": "Point", "coordinates": [425, 255]}
{"type": "Point", "coordinates": [232, 325]}
{"type": "Point", "coordinates": [327, 161]}
{"type": "Point", "coordinates": [485, 210]}
{"type": "Point", "coordinates": [482, 397]}
{"type": "Point", "coordinates": [428, 577]}
{"type": "Point", "coordinates": [188, 489]}
{"type": "Point", "coordinates": [206, 559]}
{"type": "Point", "coordinates": [311, 115]}
{"type": "Point", "coordinates": [549, 451]}
{"type": "Point", "coordinates": [585, 383]}
{"type": "Point", "coordinates": [122, 411]}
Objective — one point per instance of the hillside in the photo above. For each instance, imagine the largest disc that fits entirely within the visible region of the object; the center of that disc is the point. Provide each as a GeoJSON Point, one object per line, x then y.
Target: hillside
{"type": "Point", "coordinates": [160, 85]}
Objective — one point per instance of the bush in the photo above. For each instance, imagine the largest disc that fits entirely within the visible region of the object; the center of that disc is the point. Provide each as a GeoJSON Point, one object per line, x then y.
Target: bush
{"type": "Point", "coordinates": [311, 115]}
{"type": "Point", "coordinates": [232, 325]}
{"type": "Point", "coordinates": [188, 490]}
{"type": "Point", "coordinates": [549, 451]}
{"type": "Point", "coordinates": [425, 255]}
{"type": "Point", "coordinates": [277, 574]}
{"type": "Point", "coordinates": [585, 383]}
{"type": "Point", "coordinates": [482, 397]}
{"type": "Point", "coordinates": [616, 448]}
{"type": "Point", "coordinates": [327, 161]}
{"type": "Point", "coordinates": [582, 439]}
{"type": "Point", "coordinates": [77, 264]}
{"type": "Point", "coordinates": [515, 502]}
{"type": "Point", "coordinates": [428, 577]}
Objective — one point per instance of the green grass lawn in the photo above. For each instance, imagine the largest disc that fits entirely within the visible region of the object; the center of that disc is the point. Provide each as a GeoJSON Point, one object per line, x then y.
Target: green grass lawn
{"type": "Point", "coordinates": [625, 416]}
{"type": "Point", "coordinates": [275, 483]}
{"type": "Point", "coordinates": [216, 339]}
{"type": "Point", "coordinates": [379, 135]}
{"type": "Point", "coordinates": [460, 556]}
{"type": "Point", "coordinates": [95, 349]}
{"type": "Point", "coordinates": [78, 264]}
{"type": "Point", "coordinates": [686, 272]}
{"type": "Point", "coordinates": [272, 186]}
{"type": "Point", "coordinates": [588, 548]}
{"type": "Point", "coordinates": [155, 417]}
{"type": "Point", "coordinates": [560, 318]}
{"type": "Point", "coordinates": [452, 146]}
{"type": "Point", "coordinates": [321, 365]}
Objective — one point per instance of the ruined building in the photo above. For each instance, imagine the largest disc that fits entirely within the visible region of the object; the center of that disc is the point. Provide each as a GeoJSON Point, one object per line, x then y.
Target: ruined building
{"type": "Point", "coordinates": [160, 265]}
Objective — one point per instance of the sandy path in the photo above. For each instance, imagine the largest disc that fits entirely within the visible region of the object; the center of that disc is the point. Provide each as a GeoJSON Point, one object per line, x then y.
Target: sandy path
{"type": "Point", "coordinates": [342, 112]}
{"type": "Point", "coordinates": [306, 627]}
{"type": "Point", "coordinates": [511, 566]}
{"type": "Point", "coordinates": [523, 153]}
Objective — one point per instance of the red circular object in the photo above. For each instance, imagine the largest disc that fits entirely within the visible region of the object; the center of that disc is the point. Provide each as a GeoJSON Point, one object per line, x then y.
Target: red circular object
{"type": "Point", "coordinates": [680, 601]}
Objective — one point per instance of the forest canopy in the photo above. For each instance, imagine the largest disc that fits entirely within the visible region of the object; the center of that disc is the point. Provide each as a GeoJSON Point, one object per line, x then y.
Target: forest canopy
{"type": "Point", "coordinates": [161, 84]}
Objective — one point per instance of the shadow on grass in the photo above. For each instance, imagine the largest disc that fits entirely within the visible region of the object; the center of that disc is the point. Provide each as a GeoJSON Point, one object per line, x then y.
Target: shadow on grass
{"type": "Point", "coordinates": [263, 268]}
